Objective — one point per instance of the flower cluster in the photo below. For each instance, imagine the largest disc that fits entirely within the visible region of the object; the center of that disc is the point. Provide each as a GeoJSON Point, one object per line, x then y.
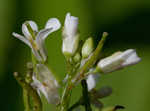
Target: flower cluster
{"type": "Point", "coordinates": [82, 60]}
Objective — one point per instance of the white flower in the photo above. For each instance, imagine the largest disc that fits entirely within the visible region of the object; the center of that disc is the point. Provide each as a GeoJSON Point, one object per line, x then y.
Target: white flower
{"type": "Point", "coordinates": [46, 83]}
{"type": "Point", "coordinates": [118, 60]}
{"type": "Point", "coordinates": [70, 35]}
{"type": "Point", "coordinates": [36, 39]}
{"type": "Point", "coordinates": [91, 81]}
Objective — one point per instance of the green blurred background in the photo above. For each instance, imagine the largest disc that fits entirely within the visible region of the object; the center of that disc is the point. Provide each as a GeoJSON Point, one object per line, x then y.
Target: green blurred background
{"type": "Point", "coordinates": [127, 22]}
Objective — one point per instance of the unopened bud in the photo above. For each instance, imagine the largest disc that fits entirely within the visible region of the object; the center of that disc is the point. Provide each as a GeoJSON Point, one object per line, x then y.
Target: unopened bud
{"type": "Point", "coordinates": [70, 36]}
{"type": "Point", "coordinates": [29, 65]}
{"type": "Point", "coordinates": [87, 47]}
{"type": "Point", "coordinates": [77, 57]}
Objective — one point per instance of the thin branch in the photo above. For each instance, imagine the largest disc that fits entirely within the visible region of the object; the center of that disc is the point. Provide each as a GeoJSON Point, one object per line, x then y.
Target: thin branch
{"type": "Point", "coordinates": [86, 97]}
{"type": "Point", "coordinates": [26, 100]}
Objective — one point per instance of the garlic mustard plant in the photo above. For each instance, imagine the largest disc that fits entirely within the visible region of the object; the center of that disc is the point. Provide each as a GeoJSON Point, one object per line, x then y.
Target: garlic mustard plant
{"type": "Point", "coordinates": [84, 67]}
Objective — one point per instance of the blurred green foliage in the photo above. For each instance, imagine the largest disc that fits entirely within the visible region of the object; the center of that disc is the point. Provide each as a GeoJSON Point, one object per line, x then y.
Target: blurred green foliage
{"type": "Point", "coordinates": [127, 21]}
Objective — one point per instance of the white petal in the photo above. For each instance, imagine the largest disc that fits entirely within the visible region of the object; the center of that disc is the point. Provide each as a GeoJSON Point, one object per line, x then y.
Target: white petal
{"type": "Point", "coordinates": [36, 54]}
{"type": "Point", "coordinates": [91, 81]}
{"type": "Point", "coordinates": [53, 23]}
{"type": "Point", "coordinates": [42, 34]}
{"type": "Point", "coordinates": [71, 25]}
{"type": "Point", "coordinates": [132, 57]}
{"type": "Point", "coordinates": [45, 73]}
{"type": "Point", "coordinates": [22, 38]}
{"type": "Point", "coordinates": [70, 45]}
{"type": "Point", "coordinates": [50, 84]}
{"type": "Point", "coordinates": [118, 60]}
{"type": "Point", "coordinates": [40, 40]}
{"type": "Point", "coordinates": [36, 84]}
{"type": "Point", "coordinates": [111, 63]}
{"type": "Point", "coordinates": [127, 53]}
{"type": "Point", "coordinates": [25, 30]}
{"type": "Point", "coordinates": [43, 50]}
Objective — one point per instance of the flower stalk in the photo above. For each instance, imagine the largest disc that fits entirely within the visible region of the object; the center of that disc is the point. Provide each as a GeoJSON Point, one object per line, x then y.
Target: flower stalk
{"type": "Point", "coordinates": [67, 90]}
{"type": "Point", "coordinates": [26, 100]}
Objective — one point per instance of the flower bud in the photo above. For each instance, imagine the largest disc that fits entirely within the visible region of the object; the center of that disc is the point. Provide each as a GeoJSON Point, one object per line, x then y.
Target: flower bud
{"type": "Point", "coordinates": [118, 60]}
{"type": "Point", "coordinates": [87, 47]}
{"type": "Point", "coordinates": [70, 36]}
{"type": "Point", "coordinates": [77, 57]}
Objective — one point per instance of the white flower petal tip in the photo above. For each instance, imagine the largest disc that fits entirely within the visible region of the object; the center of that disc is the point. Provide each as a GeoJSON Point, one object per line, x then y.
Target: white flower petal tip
{"type": "Point", "coordinates": [131, 57]}
{"type": "Point", "coordinates": [22, 38]}
{"type": "Point", "coordinates": [25, 30]}
{"type": "Point", "coordinates": [118, 60]}
{"type": "Point", "coordinates": [70, 25]}
{"type": "Point", "coordinates": [92, 80]}
{"type": "Point", "coordinates": [15, 34]}
{"type": "Point", "coordinates": [70, 35]}
{"type": "Point", "coordinates": [53, 24]}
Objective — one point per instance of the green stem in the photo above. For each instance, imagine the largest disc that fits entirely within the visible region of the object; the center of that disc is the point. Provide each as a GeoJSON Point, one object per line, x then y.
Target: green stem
{"type": "Point", "coordinates": [67, 90]}
{"type": "Point", "coordinates": [32, 93]}
{"type": "Point", "coordinates": [66, 98]}
{"type": "Point", "coordinates": [86, 97]}
{"type": "Point", "coordinates": [26, 100]}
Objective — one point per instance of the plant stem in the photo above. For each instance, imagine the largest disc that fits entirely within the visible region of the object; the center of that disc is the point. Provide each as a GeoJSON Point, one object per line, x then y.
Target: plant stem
{"type": "Point", "coordinates": [86, 97]}
{"type": "Point", "coordinates": [30, 92]}
{"type": "Point", "coordinates": [67, 90]}
{"type": "Point", "coordinates": [79, 76]}
{"type": "Point", "coordinates": [26, 100]}
{"type": "Point", "coordinates": [66, 98]}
